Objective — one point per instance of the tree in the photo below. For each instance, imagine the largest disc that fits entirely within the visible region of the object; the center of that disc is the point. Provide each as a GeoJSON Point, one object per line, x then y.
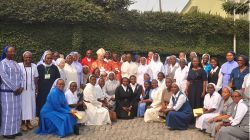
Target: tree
{"type": "Point", "coordinates": [240, 8]}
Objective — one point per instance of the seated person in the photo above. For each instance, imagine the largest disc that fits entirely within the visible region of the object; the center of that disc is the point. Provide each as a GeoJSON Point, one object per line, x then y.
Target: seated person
{"type": "Point", "coordinates": [56, 117]}
{"type": "Point", "coordinates": [179, 111]}
{"type": "Point", "coordinates": [152, 112]}
{"type": "Point", "coordinates": [146, 99]}
{"type": "Point", "coordinates": [211, 107]}
{"type": "Point", "coordinates": [124, 97]}
{"type": "Point", "coordinates": [237, 126]}
{"type": "Point", "coordinates": [96, 113]}
{"type": "Point", "coordinates": [76, 102]}
{"type": "Point", "coordinates": [166, 95]}
{"type": "Point", "coordinates": [226, 106]}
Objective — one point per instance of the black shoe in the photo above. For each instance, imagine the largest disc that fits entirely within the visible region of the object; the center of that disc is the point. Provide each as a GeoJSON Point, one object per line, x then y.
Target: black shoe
{"type": "Point", "coordinates": [76, 129]}
{"type": "Point", "coordinates": [9, 136]}
{"type": "Point", "coordinates": [19, 134]}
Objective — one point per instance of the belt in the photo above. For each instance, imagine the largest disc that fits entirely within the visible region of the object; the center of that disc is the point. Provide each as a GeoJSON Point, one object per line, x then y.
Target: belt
{"type": "Point", "coordinates": [6, 90]}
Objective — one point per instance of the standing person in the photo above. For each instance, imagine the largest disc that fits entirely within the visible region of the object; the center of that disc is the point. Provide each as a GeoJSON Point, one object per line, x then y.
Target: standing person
{"type": "Point", "coordinates": [30, 76]}
{"type": "Point", "coordinates": [107, 56]}
{"type": "Point", "coordinates": [237, 126]}
{"type": "Point", "coordinates": [70, 71]}
{"type": "Point", "coordinates": [48, 73]}
{"type": "Point", "coordinates": [181, 74]}
{"type": "Point", "coordinates": [156, 65]}
{"type": "Point", "coordinates": [124, 100]}
{"type": "Point", "coordinates": [161, 79]}
{"type": "Point", "coordinates": [88, 59]}
{"type": "Point", "coordinates": [150, 57]}
{"type": "Point", "coordinates": [246, 87]}
{"type": "Point", "coordinates": [129, 68]}
{"type": "Point", "coordinates": [205, 61]}
{"type": "Point", "coordinates": [100, 63]}
{"type": "Point", "coordinates": [97, 115]}
{"type": "Point", "coordinates": [191, 56]}
{"type": "Point", "coordinates": [41, 60]}
{"type": "Point", "coordinates": [238, 73]}
{"type": "Point", "coordinates": [115, 65]}
{"type": "Point", "coordinates": [211, 107]}
{"type": "Point", "coordinates": [11, 88]}
{"type": "Point", "coordinates": [86, 73]}
{"type": "Point", "coordinates": [172, 67]}
{"type": "Point", "coordinates": [142, 69]}
{"type": "Point", "coordinates": [166, 65]}
{"type": "Point", "coordinates": [60, 63]}
{"type": "Point", "coordinates": [56, 116]}
{"type": "Point", "coordinates": [182, 55]}
{"type": "Point", "coordinates": [196, 84]}
{"type": "Point", "coordinates": [214, 75]}
{"type": "Point", "coordinates": [227, 68]}
{"type": "Point", "coordinates": [179, 111]}
{"type": "Point", "coordinates": [110, 86]}
{"type": "Point", "coordinates": [137, 92]}
{"type": "Point", "coordinates": [78, 68]}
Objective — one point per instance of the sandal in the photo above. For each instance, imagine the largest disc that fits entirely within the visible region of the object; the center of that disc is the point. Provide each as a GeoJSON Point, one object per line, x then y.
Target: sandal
{"type": "Point", "coordinates": [24, 127]}
{"type": "Point", "coordinates": [29, 126]}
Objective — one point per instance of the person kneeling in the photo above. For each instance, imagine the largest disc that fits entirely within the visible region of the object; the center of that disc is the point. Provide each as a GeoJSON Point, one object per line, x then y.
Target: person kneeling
{"type": "Point", "coordinates": [76, 102]}
{"type": "Point", "coordinates": [179, 111]}
{"type": "Point", "coordinates": [56, 117]}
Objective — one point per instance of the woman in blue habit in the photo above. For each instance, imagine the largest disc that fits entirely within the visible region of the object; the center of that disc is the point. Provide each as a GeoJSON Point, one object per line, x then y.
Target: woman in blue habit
{"type": "Point", "coordinates": [56, 117]}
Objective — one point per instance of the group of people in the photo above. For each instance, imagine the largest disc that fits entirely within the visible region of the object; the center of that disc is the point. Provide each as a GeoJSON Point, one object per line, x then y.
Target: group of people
{"type": "Point", "coordinates": [67, 92]}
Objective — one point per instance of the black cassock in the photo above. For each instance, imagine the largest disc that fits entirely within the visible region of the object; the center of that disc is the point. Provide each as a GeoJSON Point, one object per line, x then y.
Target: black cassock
{"type": "Point", "coordinates": [136, 97]}
{"type": "Point", "coordinates": [124, 99]}
{"type": "Point", "coordinates": [45, 84]}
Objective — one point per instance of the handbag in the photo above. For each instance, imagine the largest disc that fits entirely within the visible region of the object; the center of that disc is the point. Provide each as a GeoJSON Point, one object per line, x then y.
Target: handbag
{"type": "Point", "coordinates": [113, 116]}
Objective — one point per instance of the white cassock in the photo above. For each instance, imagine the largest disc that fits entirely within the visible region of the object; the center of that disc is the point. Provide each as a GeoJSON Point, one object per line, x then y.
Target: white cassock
{"type": "Point", "coordinates": [156, 67]}
{"type": "Point", "coordinates": [142, 69]}
{"type": "Point", "coordinates": [28, 95]}
{"type": "Point", "coordinates": [209, 102]}
{"type": "Point", "coordinates": [73, 99]}
{"type": "Point", "coordinates": [97, 115]}
{"type": "Point", "coordinates": [128, 69]}
{"type": "Point", "coordinates": [181, 77]}
{"type": "Point", "coordinates": [152, 114]}
{"type": "Point", "coordinates": [70, 74]}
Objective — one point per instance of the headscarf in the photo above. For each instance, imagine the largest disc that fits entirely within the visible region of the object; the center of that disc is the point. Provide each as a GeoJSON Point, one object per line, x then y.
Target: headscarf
{"type": "Point", "coordinates": [229, 89]}
{"type": "Point", "coordinates": [27, 52]}
{"type": "Point", "coordinates": [109, 74]}
{"type": "Point", "coordinates": [59, 60]}
{"type": "Point", "coordinates": [240, 92]}
{"type": "Point", "coordinates": [75, 53]}
{"type": "Point", "coordinates": [43, 57]}
{"type": "Point", "coordinates": [70, 82]}
{"type": "Point", "coordinates": [55, 82]}
{"type": "Point", "coordinates": [208, 61]}
{"type": "Point", "coordinates": [215, 88]}
{"type": "Point", "coordinates": [166, 60]}
{"type": "Point", "coordinates": [5, 49]}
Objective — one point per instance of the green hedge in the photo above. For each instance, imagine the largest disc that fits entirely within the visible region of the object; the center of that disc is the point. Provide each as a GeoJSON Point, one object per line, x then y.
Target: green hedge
{"type": "Point", "coordinates": [65, 38]}
{"type": "Point", "coordinates": [66, 25]}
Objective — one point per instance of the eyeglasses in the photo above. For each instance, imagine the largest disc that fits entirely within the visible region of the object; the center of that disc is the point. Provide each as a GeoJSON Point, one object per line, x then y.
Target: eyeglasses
{"type": "Point", "coordinates": [239, 60]}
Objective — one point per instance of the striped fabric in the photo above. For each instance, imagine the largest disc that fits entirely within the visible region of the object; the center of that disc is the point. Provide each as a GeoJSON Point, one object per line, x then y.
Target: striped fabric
{"type": "Point", "coordinates": [10, 73]}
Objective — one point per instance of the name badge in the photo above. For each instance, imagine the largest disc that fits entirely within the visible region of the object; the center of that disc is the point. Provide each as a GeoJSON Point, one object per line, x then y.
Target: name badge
{"type": "Point", "coordinates": [47, 76]}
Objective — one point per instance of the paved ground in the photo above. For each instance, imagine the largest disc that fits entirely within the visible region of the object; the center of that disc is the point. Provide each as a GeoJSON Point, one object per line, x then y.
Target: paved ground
{"type": "Point", "coordinates": [135, 129]}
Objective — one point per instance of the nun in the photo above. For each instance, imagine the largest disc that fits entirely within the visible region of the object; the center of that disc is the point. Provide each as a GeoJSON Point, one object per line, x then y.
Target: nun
{"type": "Point", "coordinates": [48, 73]}
{"type": "Point", "coordinates": [156, 65]}
{"type": "Point", "coordinates": [179, 111]}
